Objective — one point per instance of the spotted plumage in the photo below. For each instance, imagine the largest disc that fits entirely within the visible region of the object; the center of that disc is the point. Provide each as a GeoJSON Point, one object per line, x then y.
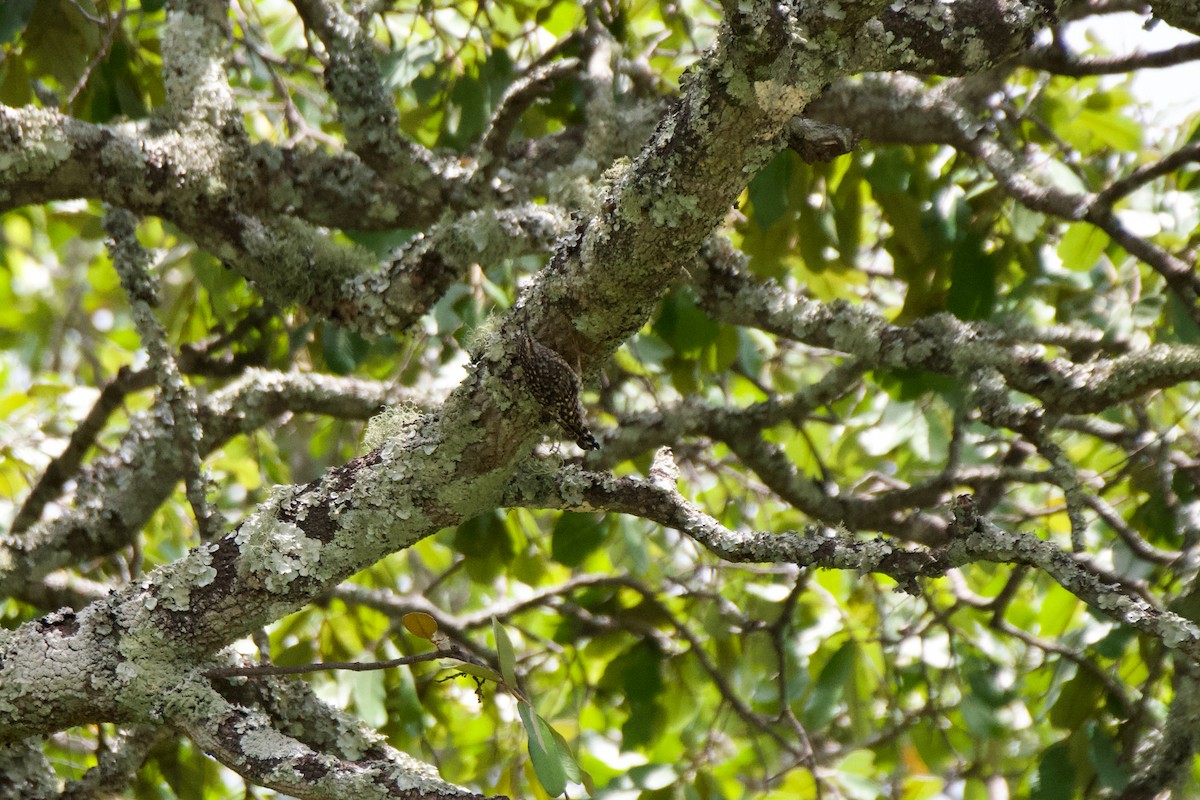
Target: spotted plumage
{"type": "Point", "coordinates": [556, 387]}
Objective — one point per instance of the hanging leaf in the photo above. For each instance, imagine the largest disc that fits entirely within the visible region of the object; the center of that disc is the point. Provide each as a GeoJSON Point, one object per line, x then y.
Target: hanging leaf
{"type": "Point", "coordinates": [504, 652]}
{"type": "Point", "coordinates": [548, 759]}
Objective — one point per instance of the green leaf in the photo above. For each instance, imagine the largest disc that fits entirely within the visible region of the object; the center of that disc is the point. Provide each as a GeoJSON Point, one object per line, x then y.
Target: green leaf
{"type": "Point", "coordinates": [14, 16]}
{"type": "Point", "coordinates": [1055, 779]}
{"type": "Point", "coordinates": [114, 89]}
{"type": "Point", "coordinates": [1112, 129]}
{"type": "Point", "coordinates": [724, 351]}
{"type": "Point", "coordinates": [847, 202]}
{"type": "Point", "coordinates": [903, 211]}
{"type": "Point", "coordinates": [403, 65]}
{"type": "Point", "coordinates": [972, 293]}
{"type": "Point", "coordinates": [11, 402]}
{"type": "Point", "coordinates": [505, 654]}
{"type": "Point", "coordinates": [638, 674]}
{"type": "Point", "coordinates": [1062, 177]}
{"type": "Point", "coordinates": [1114, 643]}
{"type": "Point", "coordinates": [1102, 752]}
{"type": "Point", "coordinates": [1081, 246]}
{"type": "Point", "coordinates": [544, 751]}
{"type": "Point", "coordinates": [381, 243]}
{"type": "Point", "coordinates": [1057, 611]}
{"type": "Point", "coordinates": [369, 696]}
{"type": "Point", "coordinates": [684, 326]}
{"type": "Point", "coordinates": [1076, 702]}
{"type": "Point", "coordinates": [907, 385]}
{"type": "Point", "coordinates": [571, 766]}
{"type": "Point", "coordinates": [476, 670]}
{"type": "Point", "coordinates": [59, 40]}
{"type": "Point", "coordinates": [980, 718]}
{"type": "Point", "coordinates": [1027, 224]}
{"type": "Point", "coordinates": [931, 745]}
{"type": "Point", "coordinates": [343, 348]}
{"type": "Point", "coordinates": [486, 544]}
{"type": "Point", "coordinates": [768, 192]}
{"type": "Point", "coordinates": [981, 677]}
{"type": "Point", "coordinates": [1155, 520]}
{"type": "Point", "coordinates": [890, 172]}
{"type": "Point", "coordinates": [830, 685]}
{"type": "Point", "coordinates": [1184, 327]}
{"type": "Point", "coordinates": [16, 83]}
{"type": "Point", "coordinates": [575, 537]}
{"type": "Point", "coordinates": [474, 96]}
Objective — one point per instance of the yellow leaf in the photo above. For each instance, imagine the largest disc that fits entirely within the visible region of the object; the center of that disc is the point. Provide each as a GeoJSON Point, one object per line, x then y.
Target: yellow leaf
{"type": "Point", "coordinates": [420, 624]}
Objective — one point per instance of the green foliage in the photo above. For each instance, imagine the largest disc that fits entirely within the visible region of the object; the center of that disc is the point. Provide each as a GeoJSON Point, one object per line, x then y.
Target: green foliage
{"type": "Point", "coordinates": [640, 665]}
{"type": "Point", "coordinates": [575, 537]}
{"type": "Point", "coordinates": [486, 544]}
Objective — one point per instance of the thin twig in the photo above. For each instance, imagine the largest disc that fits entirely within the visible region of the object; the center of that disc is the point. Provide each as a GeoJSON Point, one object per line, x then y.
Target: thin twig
{"type": "Point", "coordinates": [266, 670]}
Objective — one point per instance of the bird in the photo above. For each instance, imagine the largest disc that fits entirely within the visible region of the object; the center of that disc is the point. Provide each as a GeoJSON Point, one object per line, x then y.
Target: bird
{"type": "Point", "coordinates": [555, 386]}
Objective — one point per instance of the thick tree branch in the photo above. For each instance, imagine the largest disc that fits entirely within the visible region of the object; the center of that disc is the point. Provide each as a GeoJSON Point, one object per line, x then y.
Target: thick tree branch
{"type": "Point", "coordinates": [116, 495]}
{"type": "Point", "coordinates": [972, 539]}
{"type": "Point", "coordinates": [27, 771]}
{"type": "Point", "coordinates": [941, 344]}
{"type": "Point", "coordinates": [367, 111]}
{"type": "Point", "coordinates": [1183, 14]}
{"type": "Point", "coordinates": [247, 741]}
{"type": "Point", "coordinates": [57, 157]}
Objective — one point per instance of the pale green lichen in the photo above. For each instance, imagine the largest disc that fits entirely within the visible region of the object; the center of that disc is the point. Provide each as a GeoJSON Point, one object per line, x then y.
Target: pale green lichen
{"type": "Point", "coordinates": [43, 146]}
{"type": "Point", "coordinates": [176, 580]}
{"type": "Point", "coordinates": [389, 424]}
{"type": "Point", "coordinates": [196, 86]}
{"type": "Point", "coordinates": [672, 212]}
{"type": "Point", "coordinates": [778, 97]}
{"type": "Point", "coordinates": [483, 341]}
{"type": "Point", "coordinates": [273, 551]}
{"type": "Point", "coordinates": [293, 554]}
{"type": "Point", "coordinates": [185, 695]}
{"type": "Point", "coordinates": [1176, 630]}
{"type": "Point", "coordinates": [480, 494]}
{"type": "Point", "coordinates": [353, 745]}
{"type": "Point", "coordinates": [294, 262]}
{"type": "Point", "coordinates": [573, 482]}
{"type": "Point", "coordinates": [616, 172]}
{"type": "Point", "coordinates": [268, 743]}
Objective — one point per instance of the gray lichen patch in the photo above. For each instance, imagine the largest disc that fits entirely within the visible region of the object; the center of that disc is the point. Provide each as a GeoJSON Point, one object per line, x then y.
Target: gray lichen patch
{"type": "Point", "coordinates": [275, 552]}
{"type": "Point", "coordinates": [389, 424]}
{"type": "Point", "coordinates": [176, 580]}
{"type": "Point", "coordinates": [293, 262]}
{"type": "Point", "coordinates": [197, 89]}
{"type": "Point", "coordinates": [43, 145]}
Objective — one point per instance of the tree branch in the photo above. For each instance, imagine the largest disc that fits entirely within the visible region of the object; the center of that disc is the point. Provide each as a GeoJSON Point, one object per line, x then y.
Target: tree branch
{"type": "Point", "coordinates": [367, 111]}
{"type": "Point", "coordinates": [246, 741]}
{"type": "Point", "coordinates": [115, 496]}
{"type": "Point", "coordinates": [941, 343]}
{"type": "Point", "coordinates": [132, 263]}
{"type": "Point", "coordinates": [971, 539]}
